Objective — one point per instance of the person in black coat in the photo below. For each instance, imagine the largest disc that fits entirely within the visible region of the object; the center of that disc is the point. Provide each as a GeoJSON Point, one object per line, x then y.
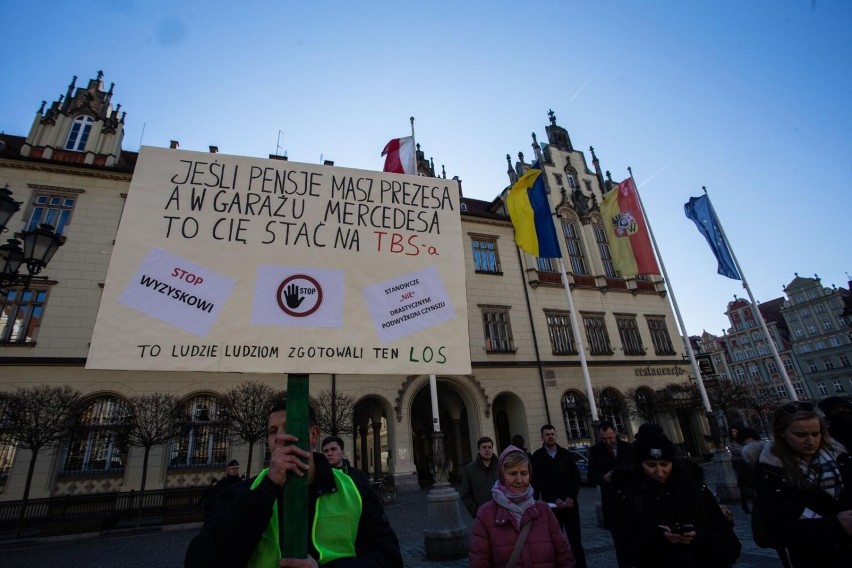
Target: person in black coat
{"type": "Point", "coordinates": [605, 456]}
{"type": "Point", "coordinates": [665, 517]}
{"type": "Point", "coordinates": [803, 485]}
{"type": "Point", "coordinates": [556, 481]}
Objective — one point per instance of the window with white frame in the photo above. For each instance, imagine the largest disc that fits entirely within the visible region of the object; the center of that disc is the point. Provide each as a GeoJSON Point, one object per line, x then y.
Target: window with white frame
{"type": "Point", "coordinates": [485, 257]}
{"type": "Point", "coordinates": [52, 209]}
{"type": "Point", "coordinates": [838, 385]}
{"type": "Point", "coordinates": [754, 371]}
{"type": "Point", "coordinates": [812, 366]}
{"type": "Point", "coordinates": [740, 373]}
{"type": "Point", "coordinates": [203, 441]}
{"type": "Point", "coordinates": [21, 313]}
{"type": "Point", "coordinates": [819, 308]}
{"type": "Point", "coordinates": [800, 389]}
{"type": "Point", "coordinates": [660, 336]}
{"type": "Point", "coordinates": [498, 330]}
{"type": "Point", "coordinates": [844, 360]}
{"type": "Point", "coordinates": [822, 388]}
{"type": "Point", "coordinates": [79, 134]}
{"type": "Point", "coordinates": [835, 342]}
{"type": "Point", "coordinates": [829, 364]}
{"type": "Point", "coordinates": [788, 364]}
{"type": "Point", "coordinates": [798, 332]}
{"type": "Point", "coordinates": [596, 334]}
{"type": "Point", "coordinates": [780, 391]}
{"type": "Point", "coordinates": [628, 331]}
{"type": "Point", "coordinates": [604, 251]}
{"type": "Point", "coordinates": [546, 264]}
{"type": "Point", "coordinates": [99, 442]}
{"type": "Point", "coordinates": [772, 367]}
{"type": "Point", "coordinates": [574, 244]}
{"type": "Point", "coordinates": [573, 416]}
{"type": "Point", "coordinates": [561, 334]}
{"type": "Point", "coordinates": [827, 325]}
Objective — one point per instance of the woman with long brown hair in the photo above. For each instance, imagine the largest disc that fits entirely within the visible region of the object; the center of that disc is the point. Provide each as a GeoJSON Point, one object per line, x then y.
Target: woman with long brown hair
{"type": "Point", "coordinates": [803, 483]}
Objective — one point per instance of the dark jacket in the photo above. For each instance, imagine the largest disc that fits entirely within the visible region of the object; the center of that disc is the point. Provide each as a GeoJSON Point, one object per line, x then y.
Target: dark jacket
{"type": "Point", "coordinates": [602, 462]}
{"type": "Point", "coordinates": [811, 542]}
{"type": "Point", "coordinates": [213, 492]}
{"type": "Point", "coordinates": [240, 515]}
{"type": "Point", "coordinates": [495, 533]}
{"type": "Point", "coordinates": [477, 481]}
{"type": "Point", "coordinates": [555, 477]}
{"type": "Point", "coordinates": [642, 505]}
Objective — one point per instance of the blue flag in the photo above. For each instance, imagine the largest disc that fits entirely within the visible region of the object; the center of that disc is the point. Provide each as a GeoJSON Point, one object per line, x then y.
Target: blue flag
{"type": "Point", "coordinates": [700, 210]}
{"type": "Point", "coordinates": [530, 212]}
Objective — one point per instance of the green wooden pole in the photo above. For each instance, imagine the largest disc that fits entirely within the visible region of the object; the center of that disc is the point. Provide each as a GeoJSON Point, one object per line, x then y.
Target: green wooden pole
{"type": "Point", "coordinates": [293, 513]}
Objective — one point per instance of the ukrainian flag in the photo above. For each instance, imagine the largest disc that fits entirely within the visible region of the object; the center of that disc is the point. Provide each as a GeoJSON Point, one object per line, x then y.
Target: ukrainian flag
{"type": "Point", "coordinates": [529, 210]}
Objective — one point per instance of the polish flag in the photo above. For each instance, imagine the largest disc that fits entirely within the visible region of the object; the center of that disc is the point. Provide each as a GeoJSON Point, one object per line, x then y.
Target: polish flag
{"type": "Point", "coordinates": [400, 156]}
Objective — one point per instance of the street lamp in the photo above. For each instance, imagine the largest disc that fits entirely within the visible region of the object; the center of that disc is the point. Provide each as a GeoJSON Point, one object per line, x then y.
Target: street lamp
{"type": "Point", "coordinates": [39, 246]}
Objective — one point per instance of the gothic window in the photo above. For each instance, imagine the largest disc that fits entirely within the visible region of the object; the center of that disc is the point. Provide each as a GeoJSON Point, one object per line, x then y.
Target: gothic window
{"type": "Point", "coordinates": [631, 342]}
{"type": "Point", "coordinates": [645, 404]}
{"type": "Point", "coordinates": [80, 129]}
{"type": "Point", "coordinates": [604, 251]}
{"type": "Point", "coordinates": [99, 441]}
{"type": "Point", "coordinates": [596, 334]}
{"type": "Point", "coordinates": [660, 336]}
{"type": "Point", "coordinates": [485, 257]}
{"type": "Point", "coordinates": [611, 409]}
{"type": "Point", "coordinates": [573, 415]}
{"type": "Point", "coordinates": [498, 330]}
{"type": "Point", "coordinates": [21, 312]}
{"type": "Point", "coordinates": [561, 333]}
{"type": "Point", "coordinates": [574, 244]}
{"type": "Point", "coordinates": [203, 441]}
{"type": "Point", "coordinates": [52, 209]}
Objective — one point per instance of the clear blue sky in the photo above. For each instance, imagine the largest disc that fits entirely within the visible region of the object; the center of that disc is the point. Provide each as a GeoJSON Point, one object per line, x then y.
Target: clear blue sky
{"type": "Point", "coordinates": [752, 99]}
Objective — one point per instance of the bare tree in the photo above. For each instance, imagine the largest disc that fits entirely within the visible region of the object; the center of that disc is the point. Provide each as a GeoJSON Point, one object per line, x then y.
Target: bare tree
{"type": "Point", "coordinates": [641, 404]}
{"type": "Point", "coordinates": [154, 420]}
{"type": "Point", "coordinates": [246, 408]}
{"type": "Point", "coordinates": [335, 412]}
{"type": "Point", "coordinates": [39, 418]}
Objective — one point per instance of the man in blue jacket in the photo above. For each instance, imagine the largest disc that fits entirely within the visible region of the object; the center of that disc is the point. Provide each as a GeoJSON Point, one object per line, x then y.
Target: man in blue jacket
{"type": "Point", "coordinates": [348, 526]}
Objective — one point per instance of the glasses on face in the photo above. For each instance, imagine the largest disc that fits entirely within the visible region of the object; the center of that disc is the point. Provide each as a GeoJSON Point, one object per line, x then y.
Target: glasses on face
{"type": "Point", "coordinates": [793, 408]}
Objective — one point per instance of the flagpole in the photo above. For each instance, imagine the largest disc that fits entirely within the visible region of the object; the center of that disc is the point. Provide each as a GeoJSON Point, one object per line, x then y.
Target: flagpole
{"type": "Point", "coordinates": [413, 140]}
{"type": "Point", "coordinates": [786, 378]}
{"type": "Point", "coordinates": [687, 345]}
{"type": "Point", "coordinates": [575, 326]}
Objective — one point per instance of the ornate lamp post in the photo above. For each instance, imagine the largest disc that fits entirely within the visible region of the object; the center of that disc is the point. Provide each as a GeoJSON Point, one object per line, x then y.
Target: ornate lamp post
{"type": "Point", "coordinates": [39, 246]}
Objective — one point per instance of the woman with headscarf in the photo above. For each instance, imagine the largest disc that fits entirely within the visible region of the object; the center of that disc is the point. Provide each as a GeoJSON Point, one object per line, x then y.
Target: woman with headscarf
{"type": "Point", "coordinates": [803, 485]}
{"type": "Point", "coordinates": [665, 516]}
{"type": "Point", "coordinates": [513, 529]}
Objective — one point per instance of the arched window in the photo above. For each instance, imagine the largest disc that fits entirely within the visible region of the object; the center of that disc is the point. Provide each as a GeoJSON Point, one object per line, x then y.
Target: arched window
{"type": "Point", "coordinates": [574, 244]}
{"type": "Point", "coordinates": [203, 441]}
{"type": "Point", "coordinates": [645, 407]}
{"type": "Point", "coordinates": [573, 415]}
{"type": "Point", "coordinates": [604, 250]}
{"type": "Point", "coordinates": [80, 129]}
{"type": "Point", "coordinates": [99, 438]}
{"type": "Point", "coordinates": [611, 409]}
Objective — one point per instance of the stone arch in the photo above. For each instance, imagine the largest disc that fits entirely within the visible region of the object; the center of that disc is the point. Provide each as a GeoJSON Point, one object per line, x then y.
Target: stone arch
{"type": "Point", "coordinates": [510, 419]}
{"type": "Point", "coordinates": [612, 408]}
{"type": "Point", "coordinates": [575, 415]}
{"type": "Point", "coordinates": [373, 436]}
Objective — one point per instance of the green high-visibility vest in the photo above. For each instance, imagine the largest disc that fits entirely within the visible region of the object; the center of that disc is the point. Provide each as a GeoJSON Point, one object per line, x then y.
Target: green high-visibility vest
{"type": "Point", "coordinates": [334, 529]}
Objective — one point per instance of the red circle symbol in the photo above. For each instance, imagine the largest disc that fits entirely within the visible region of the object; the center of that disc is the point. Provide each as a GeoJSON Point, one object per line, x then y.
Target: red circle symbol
{"type": "Point", "coordinates": [282, 303]}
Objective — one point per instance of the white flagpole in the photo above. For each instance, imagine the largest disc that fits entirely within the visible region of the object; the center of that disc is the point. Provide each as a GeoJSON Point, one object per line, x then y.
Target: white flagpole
{"type": "Point", "coordinates": [581, 350]}
{"type": "Point", "coordinates": [787, 384]}
{"type": "Point", "coordinates": [687, 345]}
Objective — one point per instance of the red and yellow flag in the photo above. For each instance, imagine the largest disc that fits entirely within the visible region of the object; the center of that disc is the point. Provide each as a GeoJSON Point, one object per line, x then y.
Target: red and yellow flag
{"type": "Point", "coordinates": [629, 241]}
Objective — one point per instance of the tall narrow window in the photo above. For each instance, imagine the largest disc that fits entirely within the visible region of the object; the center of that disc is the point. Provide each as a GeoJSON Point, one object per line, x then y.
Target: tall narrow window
{"type": "Point", "coordinates": [51, 209]}
{"type": "Point", "coordinates": [546, 264]}
{"type": "Point", "coordinates": [498, 331]}
{"type": "Point", "coordinates": [21, 312]}
{"type": "Point", "coordinates": [561, 334]}
{"type": "Point", "coordinates": [611, 409]}
{"type": "Point", "coordinates": [604, 251]}
{"type": "Point", "coordinates": [572, 414]}
{"type": "Point", "coordinates": [645, 404]}
{"type": "Point", "coordinates": [7, 445]}
{"type": "Point", "coordinates": [660, 336]}
{"type": "Point", "coordinates": [80, 129]}
{"type": "Point", "coordinates": [597, 335]}
{"type": "Point", "coordinates": [203, 441]}
{"type": "Point", "coordinates": [574, 243]}
{"type": "Point", "coordinates": [99, 441]}
{"type": "Point", "coordinates": [631, 342]}
{"type": "Point", "coordinates": [485, 257]}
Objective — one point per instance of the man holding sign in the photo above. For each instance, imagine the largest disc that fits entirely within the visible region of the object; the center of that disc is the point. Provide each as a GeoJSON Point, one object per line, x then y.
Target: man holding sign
{"type": "Point", "coordinates": [348, 526]}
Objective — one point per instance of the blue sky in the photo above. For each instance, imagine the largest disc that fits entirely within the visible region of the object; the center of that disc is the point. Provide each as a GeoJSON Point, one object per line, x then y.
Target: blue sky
{"type": "Point", "coordinates": [751, 99]}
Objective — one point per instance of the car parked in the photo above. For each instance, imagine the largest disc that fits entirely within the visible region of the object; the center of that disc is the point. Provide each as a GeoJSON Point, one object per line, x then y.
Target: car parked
{"type": "Point", "coordinates": [581, 457]}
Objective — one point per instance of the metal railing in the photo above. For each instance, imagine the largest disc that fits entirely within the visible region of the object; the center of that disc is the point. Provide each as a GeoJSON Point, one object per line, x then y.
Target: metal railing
{"type": "Point", "coordinates": [90, 513]}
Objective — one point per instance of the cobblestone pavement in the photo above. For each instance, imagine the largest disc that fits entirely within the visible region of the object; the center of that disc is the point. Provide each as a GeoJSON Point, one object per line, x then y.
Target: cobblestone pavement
{"type": "Point", "coordinates": [165, 548]}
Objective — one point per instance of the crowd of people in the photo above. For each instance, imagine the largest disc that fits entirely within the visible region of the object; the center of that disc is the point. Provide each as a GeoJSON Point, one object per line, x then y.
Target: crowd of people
{"type": "Point", "coordinates": [525, 505]}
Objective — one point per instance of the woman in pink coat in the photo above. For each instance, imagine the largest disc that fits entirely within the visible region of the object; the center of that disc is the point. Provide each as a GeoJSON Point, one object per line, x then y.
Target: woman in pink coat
{"type": "Point", "coordinates": [499, 522]}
